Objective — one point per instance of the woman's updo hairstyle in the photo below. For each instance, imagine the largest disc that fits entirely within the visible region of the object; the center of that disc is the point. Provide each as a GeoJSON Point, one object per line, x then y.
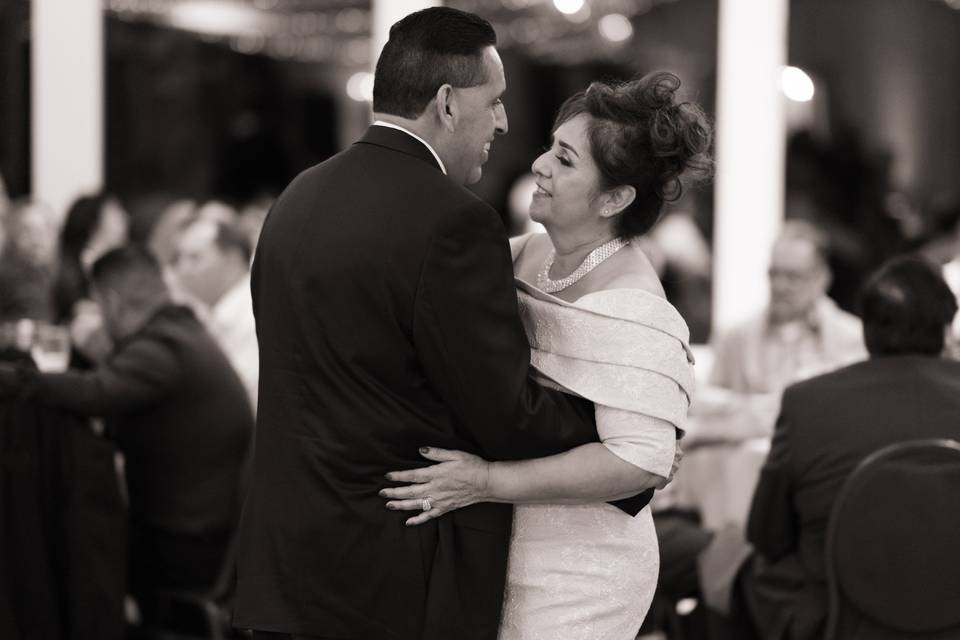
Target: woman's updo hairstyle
{"type": "Point", "coordinates": [640, 136]}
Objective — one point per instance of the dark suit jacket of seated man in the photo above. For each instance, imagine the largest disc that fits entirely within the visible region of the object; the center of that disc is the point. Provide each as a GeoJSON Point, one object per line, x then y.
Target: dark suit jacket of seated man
{"type": "Point", "coordinates": [180, 416]}
{"type": "Point", "coordinates": [829, 424]}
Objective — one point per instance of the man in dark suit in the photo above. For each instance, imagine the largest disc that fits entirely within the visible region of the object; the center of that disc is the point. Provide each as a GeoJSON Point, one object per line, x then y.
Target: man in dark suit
{"type": "Point", "coordinates": [387, 321]}
{"type": "Point", "coordinates": [178, 413]}
{"type": "Point", "coordinates": [828, 424]}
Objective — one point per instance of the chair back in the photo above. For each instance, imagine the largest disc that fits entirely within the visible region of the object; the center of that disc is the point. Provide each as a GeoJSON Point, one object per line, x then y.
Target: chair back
{"type": "Point", "coordinates": [893, 545]}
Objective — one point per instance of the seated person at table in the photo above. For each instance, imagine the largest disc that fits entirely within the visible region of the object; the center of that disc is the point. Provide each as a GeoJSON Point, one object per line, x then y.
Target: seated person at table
{"type": "Point", "coordinates": [802, 333]}
{"type": "Point", "coordinates": [830, 423]}
{"type": "Point", "coordinates": [94, 225]}
{"type": "Point", "coordinates": [212, 264]}
{"type": "Point", "coordinates": [178, 413]}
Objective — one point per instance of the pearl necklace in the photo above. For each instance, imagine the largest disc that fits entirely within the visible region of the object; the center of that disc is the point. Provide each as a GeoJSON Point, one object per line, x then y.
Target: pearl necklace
{"type": "Point", "coordinates": [593, 259]}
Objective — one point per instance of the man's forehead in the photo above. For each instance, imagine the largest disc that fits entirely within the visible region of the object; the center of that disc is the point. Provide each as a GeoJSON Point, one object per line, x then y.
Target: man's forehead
{"type": "Point", "coordinates": [494, 68]}
{"type": "Point", "coordinates": [201, 233]}
{"type": "Point", "coordinates": [794, 252]}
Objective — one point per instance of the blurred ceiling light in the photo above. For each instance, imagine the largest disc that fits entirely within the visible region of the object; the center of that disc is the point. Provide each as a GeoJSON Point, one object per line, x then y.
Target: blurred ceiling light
{"type": "Point", "coordinates": [525, 30]}
{"type": "Point", "coordinates": [568, 7]}
{"type": "Point", "coordinates": [358, 51]}
{"type": "Point", "coordinates": [615, 27]}
{"type": "Point", "coordinates": [352, 20]}
{"type": "Point", "coordinates": [360, 86]}
{"type": "Point", "coordinates": [215, 17]}
{"type": "Point", "coordinates": [250, 45]}
{"type": "Point", "coordinates": [580, 16]}
{"type": "Point", "coordinates": [796, 84]}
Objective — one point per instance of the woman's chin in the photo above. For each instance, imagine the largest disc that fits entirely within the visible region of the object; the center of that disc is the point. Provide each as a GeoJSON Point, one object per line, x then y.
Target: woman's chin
{"type": "Point", "coordinates": [537, 214]}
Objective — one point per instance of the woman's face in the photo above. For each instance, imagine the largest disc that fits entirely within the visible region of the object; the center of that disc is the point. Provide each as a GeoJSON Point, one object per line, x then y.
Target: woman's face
{"type": "Point", "coordinates": [568, 179]}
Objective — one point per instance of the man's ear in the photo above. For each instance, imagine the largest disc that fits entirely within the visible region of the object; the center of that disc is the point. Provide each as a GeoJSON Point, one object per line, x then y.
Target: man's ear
{"type": "Point", "coordinates": [445, 104]}
{"type": "Point", "coordinates": [616, 200]}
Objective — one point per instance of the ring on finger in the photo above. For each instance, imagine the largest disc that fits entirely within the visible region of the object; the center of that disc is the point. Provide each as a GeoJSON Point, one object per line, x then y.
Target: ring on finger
{"type": "Point", "coordinates": [425, 504]}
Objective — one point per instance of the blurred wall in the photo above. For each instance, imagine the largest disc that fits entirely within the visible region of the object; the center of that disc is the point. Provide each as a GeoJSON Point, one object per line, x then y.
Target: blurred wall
{"type": "Point", "coordinates": [198, 119]}
{"type": "Point", "coordinates": [892, 69]}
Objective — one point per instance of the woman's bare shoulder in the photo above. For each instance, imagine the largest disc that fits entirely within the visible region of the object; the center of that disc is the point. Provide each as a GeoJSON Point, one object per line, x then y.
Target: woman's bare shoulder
{"type": "Point", "coordinates": [630, 268]}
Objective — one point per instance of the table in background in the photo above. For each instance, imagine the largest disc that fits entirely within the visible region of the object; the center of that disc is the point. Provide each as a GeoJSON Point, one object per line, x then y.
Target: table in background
{"type": "Point", "coordinates": [718, 480]}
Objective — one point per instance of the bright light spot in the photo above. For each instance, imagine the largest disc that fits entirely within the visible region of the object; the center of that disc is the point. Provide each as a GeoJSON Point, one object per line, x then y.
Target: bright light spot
{"type": "Point", "coordinates": [615, 27]}
{"type": "Point", "coordinates": [360, 86]}
{"type": "Point", "coordinates": [686, 606]}
{"type": "Point", "coordinates": [216, 18]}
{"type": "Point", "coordinates": [568, 7]}
{"type": "Point", "coordinates": [580, 16]}
{"type": "Point", "coordinates": [796, 84]}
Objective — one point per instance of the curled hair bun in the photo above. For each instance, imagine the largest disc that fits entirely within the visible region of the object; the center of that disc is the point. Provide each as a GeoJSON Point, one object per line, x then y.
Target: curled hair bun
{"type": "Point", "coordinates": [677, 133]}
{"type": "Point", "coordinates": [641, 135]}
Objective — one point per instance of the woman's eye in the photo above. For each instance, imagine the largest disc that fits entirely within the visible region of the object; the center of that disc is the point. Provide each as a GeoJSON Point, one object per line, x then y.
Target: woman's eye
{"type": "Point", "coordinates": [564, 161]}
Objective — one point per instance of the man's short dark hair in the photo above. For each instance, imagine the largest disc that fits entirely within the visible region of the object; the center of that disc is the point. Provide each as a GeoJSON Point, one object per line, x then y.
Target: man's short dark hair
{"type": "Point", "coordinates": [426, 50]}
{"type": "Point", "coordinates": [133, 273]}
{"type": "Point", "coordinates": [906, 307]}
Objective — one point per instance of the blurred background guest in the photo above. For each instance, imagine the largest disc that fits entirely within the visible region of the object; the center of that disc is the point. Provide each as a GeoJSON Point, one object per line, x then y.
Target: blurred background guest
{"type": "Point", "coordinates": [802, 333]}
{"type": "Point", "coordinates": [212, 264]}
{"type": "Point", "coordinates": [156, 220]}
{"type": "Point", "coordinates": [94, 225]}
{"type": "Point", "coordinates": [178, 413]}
{"type": "Point", "coordinates": [27, 262]}
{"type": "Point", "coordinates": [217, 211]}
{"type": "Point", "coordinates": [828, 424]}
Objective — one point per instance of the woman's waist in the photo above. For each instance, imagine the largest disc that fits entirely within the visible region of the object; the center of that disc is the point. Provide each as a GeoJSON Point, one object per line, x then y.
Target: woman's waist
{"type": "Point", "coordinates": [586, 523]}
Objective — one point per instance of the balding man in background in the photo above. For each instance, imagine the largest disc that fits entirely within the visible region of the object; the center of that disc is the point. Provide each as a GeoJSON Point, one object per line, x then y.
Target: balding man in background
{"type": "Point", "coordinates": [212, 264]}
{"type": "Point", "coordinates": [800, 334]}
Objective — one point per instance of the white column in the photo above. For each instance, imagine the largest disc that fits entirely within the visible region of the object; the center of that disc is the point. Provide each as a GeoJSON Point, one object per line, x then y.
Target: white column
{"type": "Point", "coordinates": [751, 133]}
{"type": "Point", "coordinates": [67, 80]}
{"type": "Point", "coordinates": [386, 12]}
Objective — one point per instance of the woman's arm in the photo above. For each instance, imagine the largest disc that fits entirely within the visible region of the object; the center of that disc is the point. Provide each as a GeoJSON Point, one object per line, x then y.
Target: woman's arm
{"type": "Point", "coordinates": [589, 473]}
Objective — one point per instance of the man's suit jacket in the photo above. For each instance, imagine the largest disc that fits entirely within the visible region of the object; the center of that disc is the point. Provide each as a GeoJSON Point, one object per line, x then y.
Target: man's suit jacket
{"type": "Point", "coordinates": [827, 426]}
{"type": "Point", "coordinates": [387, 320]}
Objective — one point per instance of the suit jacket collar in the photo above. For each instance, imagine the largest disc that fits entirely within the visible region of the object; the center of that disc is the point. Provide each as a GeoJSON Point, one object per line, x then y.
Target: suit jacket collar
{"type": "Point", "coordinates": [397, 140]}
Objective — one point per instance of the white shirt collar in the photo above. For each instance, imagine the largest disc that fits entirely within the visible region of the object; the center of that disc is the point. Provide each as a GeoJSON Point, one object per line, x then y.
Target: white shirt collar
{"type": "Point", "coordinates": [383, 123]}
{"type": "Point", "coordinates": [234, 302]}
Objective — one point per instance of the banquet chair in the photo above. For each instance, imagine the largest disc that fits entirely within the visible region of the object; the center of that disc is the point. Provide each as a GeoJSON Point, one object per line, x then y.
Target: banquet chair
{"type": "Point", "coordinates": [893, 546]}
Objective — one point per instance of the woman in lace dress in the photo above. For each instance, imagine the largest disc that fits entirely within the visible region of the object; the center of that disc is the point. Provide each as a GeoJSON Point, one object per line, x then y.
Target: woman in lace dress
{"type": "Point", "coordinates": [599, 327]}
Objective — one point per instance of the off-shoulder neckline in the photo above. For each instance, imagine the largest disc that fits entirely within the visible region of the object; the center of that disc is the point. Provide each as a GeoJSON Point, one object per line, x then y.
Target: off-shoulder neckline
{"type": "Point", "coordinates": [642, 292]}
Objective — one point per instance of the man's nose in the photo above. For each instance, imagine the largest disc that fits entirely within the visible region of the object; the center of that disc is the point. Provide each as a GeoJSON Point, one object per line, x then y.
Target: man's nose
{"type": "Point", "coordinates": [501, 125]}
